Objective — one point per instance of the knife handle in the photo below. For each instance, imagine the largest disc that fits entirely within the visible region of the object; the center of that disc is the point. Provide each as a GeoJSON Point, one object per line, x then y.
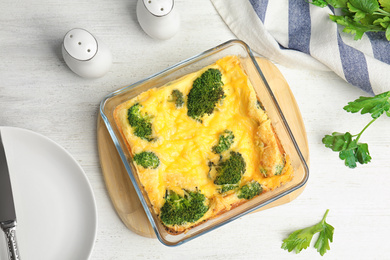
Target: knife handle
{"type": "Point", "coordinates": [9, 229]}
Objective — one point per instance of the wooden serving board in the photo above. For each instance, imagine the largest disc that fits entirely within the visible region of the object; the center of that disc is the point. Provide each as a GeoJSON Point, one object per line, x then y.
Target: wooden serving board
{"type": "Point", "coordinates": [121, 189]}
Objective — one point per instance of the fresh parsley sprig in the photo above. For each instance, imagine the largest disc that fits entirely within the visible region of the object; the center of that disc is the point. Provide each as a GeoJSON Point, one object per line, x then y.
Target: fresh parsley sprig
{"type": "Point", "coordinates": [360, 16]}
{"type": "Point", "coordinates": [301, 238]}
{"type": "Point", "coordinates": [348, 146]}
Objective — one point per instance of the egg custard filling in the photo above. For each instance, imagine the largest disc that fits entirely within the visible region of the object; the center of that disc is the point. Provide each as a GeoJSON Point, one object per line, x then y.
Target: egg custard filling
{"type": "Point", "coordinates": [202, 145]}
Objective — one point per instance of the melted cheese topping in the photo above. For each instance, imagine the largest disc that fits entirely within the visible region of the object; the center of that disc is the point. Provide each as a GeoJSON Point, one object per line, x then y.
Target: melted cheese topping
{"type": "Point", "coordinates": [183, 144]}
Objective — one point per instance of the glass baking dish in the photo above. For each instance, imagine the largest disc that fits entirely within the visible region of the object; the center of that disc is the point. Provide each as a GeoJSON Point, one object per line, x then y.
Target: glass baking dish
{"type": "Point", "coordinates": [268, 101]}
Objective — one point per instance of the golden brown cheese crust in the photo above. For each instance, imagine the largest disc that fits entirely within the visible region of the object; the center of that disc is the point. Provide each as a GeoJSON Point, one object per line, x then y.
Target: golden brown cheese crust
{"type": "Point", "coordinates": [183, 144]}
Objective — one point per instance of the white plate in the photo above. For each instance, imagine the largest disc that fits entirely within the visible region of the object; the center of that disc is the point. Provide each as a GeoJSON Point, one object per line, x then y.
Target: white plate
{"type": "Point", "coordinates": [55, 206]}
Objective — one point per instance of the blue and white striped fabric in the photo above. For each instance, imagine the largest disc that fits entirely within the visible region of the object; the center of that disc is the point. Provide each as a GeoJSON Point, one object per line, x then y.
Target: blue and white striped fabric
{"type": "Point", "coordinates": [295, 33]}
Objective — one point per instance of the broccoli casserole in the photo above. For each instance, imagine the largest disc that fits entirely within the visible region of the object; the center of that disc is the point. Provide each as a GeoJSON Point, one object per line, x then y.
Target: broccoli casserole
{"type": "Point", "coordinates": [202, 145]}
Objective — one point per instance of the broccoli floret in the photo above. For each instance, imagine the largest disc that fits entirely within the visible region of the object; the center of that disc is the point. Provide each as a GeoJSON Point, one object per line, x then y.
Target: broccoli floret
{"type": "Point", "coordinates": [225, 141]}
{"type": "Point", "coordinates": [177, 97]}
{"type": "Point", "coordinates": [230, 170]}
{"type": "Point", "coordinates": [227, 187]}
{"type": "Point", "coordinates": [279, 169]}
{"type": "Point", "coordinates": [147, 160]}
{"type": "Point", "coordinates": [206, 91]}
{"type": "Point", "coordinates": [178, 210]}
{"type": "Point", "coordinates": [141, 124]}
{"type": "Point", "coordinates": [264, 171]}
{"type": "Point", "coordinates": [249, 190]}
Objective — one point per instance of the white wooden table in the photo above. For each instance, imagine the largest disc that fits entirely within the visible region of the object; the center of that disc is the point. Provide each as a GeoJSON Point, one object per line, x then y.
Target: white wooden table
{"type": "Point", "coordinates": [40, 93]}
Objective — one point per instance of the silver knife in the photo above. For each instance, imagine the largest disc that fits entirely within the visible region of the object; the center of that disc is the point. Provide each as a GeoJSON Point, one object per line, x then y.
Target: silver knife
{"type": "Point", "coordinates": [7, 207]}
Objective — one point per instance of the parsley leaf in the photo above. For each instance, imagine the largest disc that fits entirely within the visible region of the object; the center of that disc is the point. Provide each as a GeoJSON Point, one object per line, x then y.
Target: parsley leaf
{"type": "Point", "coordinates": [348, 146]}
{"type": "Point", "coordinates": [364, 6]}
{"type": "Point", "coordinates": [362, 154]}
{"type": "Point", "coordinates": [326, 236]}
{"type": "Point", "coordinates": [337, 3]}
{"type": "Point", "coordinates": [353, 27]}
{"type": "Point", "coordinates": [350, 151]}
{"type": "Point", "coordinates": [320, 3]}
{"type": "Point", "coordinates": [384, 22]}
{"type": "Point", "coordinates": [349, 157]}
{"type": "Point", "coordinates": [376, 105]}
{"type": "Point", "coordinates": [360, 16]}
{"type": "Point", "coordinates": [301, 238]}
{"type": "Point", "coordinates": [339, 142]}
{"type": "Point", "coordinates": [388, 33]}
{"type": "Point", "coordinates": [385, 4]}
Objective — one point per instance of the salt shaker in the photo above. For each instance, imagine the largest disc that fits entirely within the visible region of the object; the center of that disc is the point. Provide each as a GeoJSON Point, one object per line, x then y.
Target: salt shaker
{"type": "Point", "coordinates": [85, 54]}
{"type": "Point", "coordinates": [158, 18]}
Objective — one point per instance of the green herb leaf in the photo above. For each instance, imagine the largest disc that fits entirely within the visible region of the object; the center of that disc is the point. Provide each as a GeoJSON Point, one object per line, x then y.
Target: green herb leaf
{"type": "Point", "coordinates": [362, 154]}
{"type": "Point", "coordinates": [350, 151]}
{"type": "Point", "coordinates": [385, 4]}
{"type": "Point", "coordinates": [349, 157]}
{"type": "Point", "coordinates": [301, 238]}
{"type": "Point", "coordinates": [339, 141]}
{"type": "Point", "coordinates": [384, 22]}
{"type": "Point", "coordinates": [365, 6]}
{"type": "Point", "coordinates": [320, 3]}
{"type": "Point", "coordinates": [326, 236]}
{"type": "Point", "coordinates": [369, 21]}
{"type": "Point", "coordinates": [376, 105]}
{"type": "Point", "coordinates": [338, 3]}
{"type": "Point", "coordinates": [351, 26]}
{"type": "Point", "coordinates": [388, 33]}
{"type": "Point", "coordinates": [348, 146]}
{"type": "Point", "coordinates": [358, 16]}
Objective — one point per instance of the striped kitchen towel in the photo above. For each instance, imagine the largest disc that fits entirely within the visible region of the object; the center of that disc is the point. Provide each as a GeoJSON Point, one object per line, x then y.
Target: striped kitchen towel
{"type": "Point", "coordinates": [295, 33]}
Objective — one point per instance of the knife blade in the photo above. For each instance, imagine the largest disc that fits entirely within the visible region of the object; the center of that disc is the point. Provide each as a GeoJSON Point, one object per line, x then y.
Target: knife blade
{"type": "Point", "coordinates": [7, 206]}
